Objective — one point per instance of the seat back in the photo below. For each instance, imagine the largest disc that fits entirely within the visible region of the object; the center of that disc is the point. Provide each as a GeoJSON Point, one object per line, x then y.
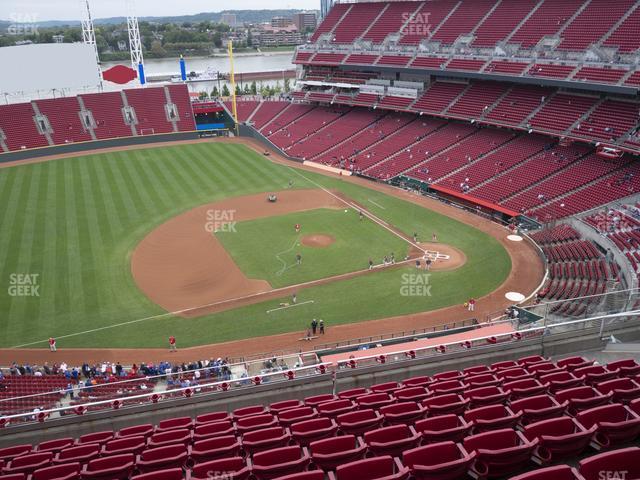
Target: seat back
{"type": "Point", "coordinates": [388, 434]}
{"type": "Point", "coordinates": [277, 456]}
{"type": "Point", "coordinates": [623, 460]}
{"type": "Point", "coordinates": [168, 474]}
{"type": "Point", "coordinates": [434, 454]}
{"type": "Point", "coordinates": [66, 470]}
{"type": "Point", "coordinates": [376, 467]}
{"type": "Point", "coordinates": [331, 445]}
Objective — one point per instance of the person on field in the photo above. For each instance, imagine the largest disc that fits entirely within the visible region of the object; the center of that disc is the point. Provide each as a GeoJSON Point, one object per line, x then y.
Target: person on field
{"type": "Point", "coordinates": [298, 259]}
{"type": "Point", "coordinates": [472, 304]}
{"type": "Point", "coordinates": [434, 237]}
{"type": "Point", "coordinates": [321, 327]}
{"type": "Point", "coordinates": [314, 326]}
{"type": "Point", "coordinates": [294, 298]}
{"type": "Point", "coordinates": [52, 344]}
{"type": "Point", "coordinates": [297, 228]}
{"type": "Point", "coordinates": [172, 344]}
{"type": "Point", "coordinates": [370, 264]}
{"type": "Point", "coordinates": [427, 264]}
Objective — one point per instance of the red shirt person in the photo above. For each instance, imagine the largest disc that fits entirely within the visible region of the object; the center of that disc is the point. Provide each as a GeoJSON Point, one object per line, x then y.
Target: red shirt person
{"type": "Point", "coordinates": [172, 343]}
{"type": "Point", "coordinates": [52, 344]}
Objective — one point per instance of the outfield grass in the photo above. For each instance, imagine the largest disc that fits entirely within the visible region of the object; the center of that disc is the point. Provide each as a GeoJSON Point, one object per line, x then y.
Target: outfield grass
{"type": "Point", "coordinates": [266, 249]}
{"type": "Point", "coordinates": [75, 222]}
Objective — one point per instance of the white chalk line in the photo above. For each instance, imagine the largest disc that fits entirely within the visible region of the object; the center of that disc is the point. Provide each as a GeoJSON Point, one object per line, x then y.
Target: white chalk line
{"type": "Point", "coordinates": [290, 306]}
{"type": "Point", "coordinates": [285, 266]}
{"type": "Point", "coordinates": [376, 204]}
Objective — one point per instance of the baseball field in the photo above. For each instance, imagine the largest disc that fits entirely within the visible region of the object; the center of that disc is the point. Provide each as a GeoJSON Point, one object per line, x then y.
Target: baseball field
{"type": "Point", "coordinates": [123, 248]}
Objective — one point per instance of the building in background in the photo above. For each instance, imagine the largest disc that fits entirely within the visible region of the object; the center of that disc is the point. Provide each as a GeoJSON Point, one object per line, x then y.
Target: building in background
{"type": "Point", "coordinates": [229, 19]}
{"type": "Point", "coordinates": [305, 21]}
{"type": "Point", "coordinates": [325, 6]}
{"type": "Point", "coordinates": [281, 22]}
{"type": "Point", "coordinates": [265, 35]}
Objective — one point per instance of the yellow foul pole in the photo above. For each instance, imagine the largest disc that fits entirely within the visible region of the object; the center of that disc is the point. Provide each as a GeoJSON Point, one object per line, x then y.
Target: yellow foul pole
{"type": "Point", "coordinates": [232, 79]}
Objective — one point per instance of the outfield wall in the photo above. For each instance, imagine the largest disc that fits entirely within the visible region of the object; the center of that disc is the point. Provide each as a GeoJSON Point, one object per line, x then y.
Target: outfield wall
{"type": "Point", "coordinates": [96, 145]}
{"type": "Point", "coordinates": [561, 344]}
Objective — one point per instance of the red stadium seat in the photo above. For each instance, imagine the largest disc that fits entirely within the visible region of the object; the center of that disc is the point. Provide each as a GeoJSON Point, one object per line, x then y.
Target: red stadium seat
{"type": "Point", "coordinates": [438, 461]}
{"type": "Point", "coordinates": [213, 429]}
{"type": "Point", "coordinates": [168, 474]}
{"type": "Point", "coordinates": [169, 438]}
{"type": "Point", "coordinates": [236, 468]}
{"type": "Point", "coordinates": [310, 475]}
{"type": "Point", "coordinates": [544, 368]}
{"type": "Point", "coordinates": [256, 422]}
{"type": "Point", "coordinates": [374, 400]}
{"type": "Point", "coordinates": [514, 374]}
{"type": "Point", "coordinates": [334, 408]}
{"type": "Point", "coordinates": [449, 375]}
{"type": "Point", "coordinates": [98, 437]}
{"type": "Point", "coordinates": [391, 440]}
{"type": "Point", "coordinates": [294, 415]}
{"type": "Point", "coordinates": [615, 424]}
{"type": "Point", "coordinates": [506, 365]}
{"type": "Point", "coordinates": [491, 417]}
{"type": "Point", "coordinates": [68, 471]}
{"type": "Point", "coordinates": [388, 387]}
{"type": "Point", "coordinates": [482, 380]}
{"type": "Point", "coordinates": [359, 421]}
{"type": "Point", "coordinates": [214, 448]}
{"type": "Point", "coordinates": [595, 374]}
{"type": "Point", "coordinates": [81, 454]}
{"type": "Point", "coordinates": [615, 462]}
{"type": "Point", "coordinates": [417, 382]}
{"type": "Point", "coordinates": [635, 405]}
{"type": "Point", "coordinates": [478, 370]}
{"type": "Point", "coordinates": [559, 472]}
{"type": "Point", "coordinates": [487, 395]}
{"type": "Point", "coordinates": [412, 394]}
{"type": "Point", "coordinates": [558, 438]}
{"type": "Point", "coordinates": [404, 413]}
{"type": "Point", "coordinates": [179, 423]}
{"type": "Point", "coordinates": [532, 360]}
{"type": "Point", "coordinates": [582, 398]}
{"type": "Point", "coordinates": [378, 468]}
{"type": "Point", "coordinates": [443, 428]}
{"type": "Point", "coordinates": [55, 445]}
{"type": "Point", "coordinates": [249, 411]}
{"type": "Point", "coordinates": [318, 399]}
{"type": "Point", "coordinates": [279, 407]}
{"type": "Point", "coordinates": [353, 393]}
{"type": "Point", "coordinates": [145, 431]}
{"type": "Point", "coordinates": [627, 367]}
{"type": "Point", "coordinates": [499, 452]}
{"type": "Point", "coordinates": [624, 389]}
{"type": "Point", "coordinates": [573, 363]}
{"type": "Point", "coordinates": [117, 467]}
{"type": "Point", "coordinates": [561, 381]}
{"type": "Point", "coordinates": [525, 388]}
{"type": "Point", "coordinates": [443, 404]}
{"type": "Point", "coordinates": [28, 463]}
{"type": "Point", "coordinates": [265, 439]}
{"type": "Point", "coordinates": [540, 407]}
{"type": "Point", "coordinates": [331, 452]}
{"type": "Point", "coordinates": [162, 458]}
{"type": "Point", "coordinates": [212, 417]}
{"type": "Point", "coordinates": [280, 462]}
{"type": "Point", "coordinates": [9, 453]}
{"type": "Point", "coordinates": [119, 446]}
{"type": "Point", "coordinates": [311, 430]}
{"type": "Point", "coordinates": [447, 387]}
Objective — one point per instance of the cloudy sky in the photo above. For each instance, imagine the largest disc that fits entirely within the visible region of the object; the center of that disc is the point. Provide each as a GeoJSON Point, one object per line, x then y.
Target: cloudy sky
{"type": "Point", "coordinates": [68, 9]}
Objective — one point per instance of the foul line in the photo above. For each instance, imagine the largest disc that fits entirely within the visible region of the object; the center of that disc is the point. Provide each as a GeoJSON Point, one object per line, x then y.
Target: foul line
{"type": "Point", "coordinates": [289, 306]}
{"type": "Point", "coordinates": [376, 204]}
{"type": "Point", "coordinates": [367, 214]}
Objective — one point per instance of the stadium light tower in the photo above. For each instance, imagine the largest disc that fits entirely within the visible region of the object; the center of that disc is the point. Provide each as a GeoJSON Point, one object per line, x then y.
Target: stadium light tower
{"type": "Point", "coordinates": [89, 34]}
{"type": "Point", "coordinates": [135, 42]}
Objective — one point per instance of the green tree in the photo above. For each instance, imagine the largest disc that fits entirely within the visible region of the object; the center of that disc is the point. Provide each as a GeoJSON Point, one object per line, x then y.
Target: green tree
{"type": "Point", "coordinates": [238, 91]}
{"type": "Point", "coordinates": [247, 89]}
{"type": "Point", "coordinates": [287, 85]}
{"type": "Point", "coordinates": [225, 91]}
{"type": "Point", "coordinates": [254, 88]}
{"type": "Point", "coordinates": [203, 95]}
{"type": "Point", "coordinates": [215, 92]}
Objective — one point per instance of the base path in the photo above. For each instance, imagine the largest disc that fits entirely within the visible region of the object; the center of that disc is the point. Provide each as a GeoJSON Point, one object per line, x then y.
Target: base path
{"type": "Point", "coordinates": [526, 275]}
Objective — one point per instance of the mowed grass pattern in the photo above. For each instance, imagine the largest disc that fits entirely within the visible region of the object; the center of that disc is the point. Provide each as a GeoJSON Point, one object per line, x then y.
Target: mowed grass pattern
{"type": "Point", "coordinates": [75, 222]}
{"type": "Point", "coordinates": [266, 248]}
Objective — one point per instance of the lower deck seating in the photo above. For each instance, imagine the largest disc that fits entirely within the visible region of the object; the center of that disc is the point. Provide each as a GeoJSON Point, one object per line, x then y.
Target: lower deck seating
{"type": "Point", "coordinates": [581, 411]}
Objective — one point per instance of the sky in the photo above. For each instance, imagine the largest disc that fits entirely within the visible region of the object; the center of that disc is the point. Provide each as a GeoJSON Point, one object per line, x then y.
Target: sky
{"type": "Point", "coordinates": [41, 10]}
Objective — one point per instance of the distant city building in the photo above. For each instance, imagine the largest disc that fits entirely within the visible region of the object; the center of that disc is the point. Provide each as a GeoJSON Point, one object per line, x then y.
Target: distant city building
{"type": "Point", "coordinates": [280, 22]}
{"type": "Point", "coordinates": [304, 21]}
{"type": "Point", "coordinates": [325, 6]}
{"type": "Point", "coordinates": [265, 35]}
{"type": "Point", "coordinates": [58, 39]}
{"type": "Point", "coordinates": [229, 19]}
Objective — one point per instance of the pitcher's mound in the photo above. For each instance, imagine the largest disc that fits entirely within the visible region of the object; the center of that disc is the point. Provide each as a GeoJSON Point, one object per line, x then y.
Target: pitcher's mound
{"type": "Point", "coordinates": [317, 241]}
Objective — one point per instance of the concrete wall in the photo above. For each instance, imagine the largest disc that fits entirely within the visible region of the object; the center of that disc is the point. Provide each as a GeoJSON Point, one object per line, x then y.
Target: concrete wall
{"type": "Point", "coordinates": [96, 145]}
{"type": "Point", "coordinates": [556, 345]}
